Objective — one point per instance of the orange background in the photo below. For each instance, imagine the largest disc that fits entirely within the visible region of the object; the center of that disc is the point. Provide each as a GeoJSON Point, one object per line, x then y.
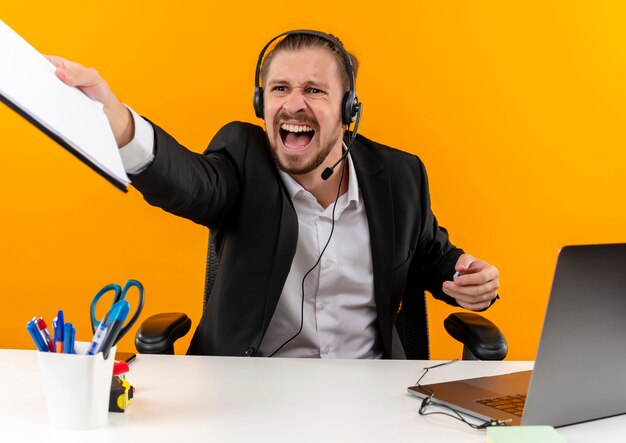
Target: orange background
{"type": "Point", "coordinates": [518, 111]}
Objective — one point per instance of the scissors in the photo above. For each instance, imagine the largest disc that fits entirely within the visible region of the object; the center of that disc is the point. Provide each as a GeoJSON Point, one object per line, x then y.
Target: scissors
{"type": "Point", "coordinates": [118, 294]}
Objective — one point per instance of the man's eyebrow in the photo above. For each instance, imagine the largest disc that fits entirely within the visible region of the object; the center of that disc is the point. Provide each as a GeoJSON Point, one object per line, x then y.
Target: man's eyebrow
{"type": "Point", "coordinates": [306, 84]}
{"type": "Point", "coordinates": [315, 84]}
{"type": "Point", "coordinates": [276, 81]}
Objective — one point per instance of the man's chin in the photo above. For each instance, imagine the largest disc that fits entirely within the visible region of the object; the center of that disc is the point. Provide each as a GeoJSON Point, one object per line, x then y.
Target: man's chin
{"type": "Point", "coordinates": [296, 164]}
{"type": "Point", "coordinates": [296, 167]}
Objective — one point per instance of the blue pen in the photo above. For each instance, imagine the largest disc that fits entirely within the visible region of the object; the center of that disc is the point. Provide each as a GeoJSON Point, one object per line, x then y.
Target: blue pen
{"type": "Point", "coordinates": [59, 327]}
{"type": "Point", "coordinates": [33, 330]}
{"type": "Point", "coordinates": [117, 317]}
{"type": "Point", "coordinates": [98, 338]}
{"type": "Point", "coordinates": [69, 335]}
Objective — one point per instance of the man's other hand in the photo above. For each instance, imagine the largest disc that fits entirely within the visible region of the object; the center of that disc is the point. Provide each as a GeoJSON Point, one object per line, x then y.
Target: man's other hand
{"type": "Point", "coordinates": [476, 284]}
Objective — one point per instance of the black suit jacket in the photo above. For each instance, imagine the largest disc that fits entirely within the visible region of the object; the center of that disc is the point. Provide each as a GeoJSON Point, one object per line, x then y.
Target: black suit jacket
{"type": "Point", "coordinates": [235, 190]}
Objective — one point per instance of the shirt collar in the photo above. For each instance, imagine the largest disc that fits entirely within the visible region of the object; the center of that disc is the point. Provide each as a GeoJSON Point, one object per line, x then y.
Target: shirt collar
{"type": "Point", "coordinates": [293, 187]}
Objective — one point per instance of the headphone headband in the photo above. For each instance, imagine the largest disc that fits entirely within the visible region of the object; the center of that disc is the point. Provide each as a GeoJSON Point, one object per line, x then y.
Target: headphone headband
{"type": "Point", "coordinates": [350, 106]}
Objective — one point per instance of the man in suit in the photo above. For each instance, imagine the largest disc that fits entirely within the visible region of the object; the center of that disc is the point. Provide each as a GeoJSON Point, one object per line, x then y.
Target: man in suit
{"type": "Point", "coordinates": [309, 266]}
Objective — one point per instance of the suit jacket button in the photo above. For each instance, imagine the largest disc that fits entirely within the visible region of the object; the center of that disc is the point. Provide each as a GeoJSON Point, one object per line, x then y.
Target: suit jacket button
{"type": "Point", "coordinates": [249, 352]}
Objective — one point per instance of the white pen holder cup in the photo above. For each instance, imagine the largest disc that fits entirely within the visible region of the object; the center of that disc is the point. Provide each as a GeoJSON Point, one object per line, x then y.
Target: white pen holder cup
{"type": "Point", "coordinates": [77, 387]}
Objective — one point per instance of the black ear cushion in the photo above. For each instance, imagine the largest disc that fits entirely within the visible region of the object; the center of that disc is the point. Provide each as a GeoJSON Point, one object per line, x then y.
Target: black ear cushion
{"type": "Point", "coordinates": [348, 108]}
{"type": "Point", "coordinates": [257, 101]}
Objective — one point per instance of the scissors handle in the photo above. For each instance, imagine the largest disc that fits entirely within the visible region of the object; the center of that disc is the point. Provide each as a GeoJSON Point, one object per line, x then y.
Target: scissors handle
{"type": "Point", "coordinates": [94, 303]}
{"type": "Point", "coordinates": [120, 294]}
{"type": "Point", "coordinates": [129, 284]}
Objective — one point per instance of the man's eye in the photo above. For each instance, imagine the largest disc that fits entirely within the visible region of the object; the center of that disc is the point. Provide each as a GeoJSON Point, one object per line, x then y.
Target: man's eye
{"type": "Point", "coordinates": [279, 88]}
{"type": "Point", "coordinates": [315, 91]}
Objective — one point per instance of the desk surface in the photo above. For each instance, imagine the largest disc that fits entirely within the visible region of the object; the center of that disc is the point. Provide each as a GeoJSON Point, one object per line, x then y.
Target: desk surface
{"type": "Point", "coordinates": [220, 399]}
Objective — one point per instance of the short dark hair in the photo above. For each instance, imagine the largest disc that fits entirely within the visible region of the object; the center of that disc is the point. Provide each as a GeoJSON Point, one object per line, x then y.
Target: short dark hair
{"type": "Point", "coordinates": [296, 42]}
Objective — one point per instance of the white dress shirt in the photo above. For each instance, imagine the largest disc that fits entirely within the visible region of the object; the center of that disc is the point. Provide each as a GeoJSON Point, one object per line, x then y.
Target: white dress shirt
{"type": "Point", "coordinates": [339, 307]}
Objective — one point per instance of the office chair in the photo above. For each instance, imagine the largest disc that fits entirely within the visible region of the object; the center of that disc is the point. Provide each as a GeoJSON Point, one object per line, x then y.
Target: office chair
{"type": "Point", "coordinates": [481, 339]}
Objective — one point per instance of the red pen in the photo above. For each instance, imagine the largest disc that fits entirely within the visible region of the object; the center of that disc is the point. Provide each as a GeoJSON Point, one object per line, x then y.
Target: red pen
{"type": "Point", "coordinates": [45, 333]}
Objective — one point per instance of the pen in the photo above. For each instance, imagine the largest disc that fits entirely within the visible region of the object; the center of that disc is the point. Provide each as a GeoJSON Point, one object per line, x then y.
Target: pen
{"type": "Point", "coordinates": [69, 335]}
{"type": "Point", "coordinates": [58, 331]}
{"type": "Point", "coordinates": [44, 332]}
{"type": "Point", "coordinates": [98, 338]}
{"type": "Point", "coordinates": [33, 330]}
{"type": "Point", "coordinates": [99, 335]}
{"type": "Point", "coordinates": [118, 315]}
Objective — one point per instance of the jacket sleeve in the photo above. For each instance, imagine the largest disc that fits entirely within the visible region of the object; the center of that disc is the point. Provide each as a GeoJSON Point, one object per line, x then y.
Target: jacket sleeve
{"type": "Point", "coordinates": [204, 188]}
{"type": "Point", "coordinates": [435, 257]}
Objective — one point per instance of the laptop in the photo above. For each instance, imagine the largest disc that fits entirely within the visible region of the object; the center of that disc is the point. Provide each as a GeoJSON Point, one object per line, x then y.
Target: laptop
{"type": "Point", "coordinates": [580, 369]}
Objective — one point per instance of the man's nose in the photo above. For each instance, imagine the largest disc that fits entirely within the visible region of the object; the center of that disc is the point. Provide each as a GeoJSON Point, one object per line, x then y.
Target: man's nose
{"type": "Point", "coordinates": [294, 102]}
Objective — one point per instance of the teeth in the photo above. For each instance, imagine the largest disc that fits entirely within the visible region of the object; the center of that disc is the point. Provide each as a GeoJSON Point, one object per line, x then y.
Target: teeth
{"type": "Point", "coordinates": [296, 128]}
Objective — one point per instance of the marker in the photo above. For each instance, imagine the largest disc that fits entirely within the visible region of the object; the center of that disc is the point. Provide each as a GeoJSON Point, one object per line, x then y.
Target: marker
{"type": "Point", "coordinates": [69, 335]}
{"type": "Point", "coordinates": [59, 327]}
{"type": "Point", "coordinates": [33, 330]}
{"type": "Point", "coordinates": [44, 332]}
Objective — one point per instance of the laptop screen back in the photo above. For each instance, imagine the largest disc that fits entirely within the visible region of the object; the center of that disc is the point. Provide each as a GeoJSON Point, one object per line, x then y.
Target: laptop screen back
{"type": "Point", "coordinates": [580, 369]}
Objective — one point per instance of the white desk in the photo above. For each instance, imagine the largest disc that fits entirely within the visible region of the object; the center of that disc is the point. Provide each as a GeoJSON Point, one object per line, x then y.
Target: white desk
{"type": "Point", "coordinates": [220, 399]}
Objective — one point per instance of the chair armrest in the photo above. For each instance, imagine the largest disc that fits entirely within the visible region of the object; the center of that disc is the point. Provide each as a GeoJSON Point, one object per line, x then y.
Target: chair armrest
{"type": "Point", "coordinates": [481, 336]}
{"type": "Point", "coordinates": [157, 333]}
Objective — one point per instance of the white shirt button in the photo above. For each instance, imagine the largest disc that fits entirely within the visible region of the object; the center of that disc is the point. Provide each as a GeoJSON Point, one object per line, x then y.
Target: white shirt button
{"type": "Point", "coordinates": [327, 264]}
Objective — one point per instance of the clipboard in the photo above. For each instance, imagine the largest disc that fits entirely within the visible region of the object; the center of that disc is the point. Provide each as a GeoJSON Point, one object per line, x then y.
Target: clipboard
{"type": "Point", "coordinates": [29, 86]}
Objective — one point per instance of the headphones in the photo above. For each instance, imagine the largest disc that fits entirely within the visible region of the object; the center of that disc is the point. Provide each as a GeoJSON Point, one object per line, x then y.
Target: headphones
{"type": "Point", "coordinates": [350, 106]}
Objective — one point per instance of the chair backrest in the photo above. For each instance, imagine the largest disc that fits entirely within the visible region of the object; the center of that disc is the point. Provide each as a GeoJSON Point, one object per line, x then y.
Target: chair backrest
{"type": "Point", "coordinates": [411, 323]}
{"type": "Point", "coordinates": [212, 264]}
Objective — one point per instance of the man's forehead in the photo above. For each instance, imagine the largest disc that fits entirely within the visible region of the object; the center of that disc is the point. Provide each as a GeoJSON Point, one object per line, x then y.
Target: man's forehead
{"type": "Point", "coordinates": [306, 64]}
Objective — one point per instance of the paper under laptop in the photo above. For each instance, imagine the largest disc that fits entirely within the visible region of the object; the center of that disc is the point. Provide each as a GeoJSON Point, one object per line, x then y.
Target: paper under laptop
{"type": "Point", "coordinates": [29, 86]}
{"type": "Point", "coordinates": [580, 369]}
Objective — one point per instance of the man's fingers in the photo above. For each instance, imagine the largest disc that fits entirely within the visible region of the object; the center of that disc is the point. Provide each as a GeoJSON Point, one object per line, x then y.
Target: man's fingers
{"type": "Point", "coordinates": [473, 271]}
{"type": "Point", "coordinates": [471, 290]}
{"type": "Point", "coordinates": [489, 273]}
{"type": "Point", "coordinates": [473, 297]}
{"type": "Point", "coordinates": [55, 60]}
{"type": "Point", "coordinates": [477, 296]}
{"type": "Point", "coordinates": [75, 74]}
{"type": "Point", "coordinates": [464, 262]}
{"type": "Point", "coordinates": [475, 306]}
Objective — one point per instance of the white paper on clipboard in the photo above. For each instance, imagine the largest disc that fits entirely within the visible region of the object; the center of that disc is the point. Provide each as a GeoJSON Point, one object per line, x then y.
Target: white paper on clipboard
{"type": "Point", "coordinates": [29, 85]}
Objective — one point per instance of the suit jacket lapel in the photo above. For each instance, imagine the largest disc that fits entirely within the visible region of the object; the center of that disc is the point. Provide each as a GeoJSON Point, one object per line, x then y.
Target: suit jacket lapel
{"type": "Point", "coordinates": [286, 242]}
{"type": "Point", "coordinates": [376, 191]}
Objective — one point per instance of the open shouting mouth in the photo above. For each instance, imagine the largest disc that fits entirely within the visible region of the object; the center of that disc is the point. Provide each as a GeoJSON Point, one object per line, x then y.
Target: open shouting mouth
{"type": "Point", "coordinates": [296, 137]}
